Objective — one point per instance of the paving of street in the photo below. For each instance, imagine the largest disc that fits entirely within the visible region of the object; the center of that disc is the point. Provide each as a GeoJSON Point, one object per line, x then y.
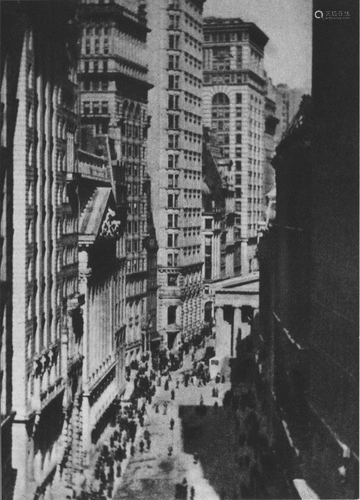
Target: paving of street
{"type": "Point", "coordinates": [153, 474]}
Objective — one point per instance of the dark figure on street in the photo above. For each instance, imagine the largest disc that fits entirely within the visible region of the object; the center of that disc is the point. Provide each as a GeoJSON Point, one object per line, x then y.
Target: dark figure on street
{"type": "Point", "coordinates": [177, 384]}
{"type": "Point", "coordinates": [172, 394]}
{"type": "Point", "coordinates": [166, 385]}
{"type": "Point", "coordinates": [201, 400]}
{"type": "Point", "coordinates": [192, 493]}
{"type": "Point", "coordinates": [172, 423]}
{"type": "Point", "coordinates": [156, 406]}
{"type": "Point", "coordinates": [216, 405]}
{"type": "Point", "coordinates": [223, 379]}
{"type": "Point", "coordinates": [165, 409]}
{"type": "Point", "coordinates": [132, 450]}
{"type": "Point", "coordinates": [170, 450]}
{"type": "Point", "coordinates": [196, 458]}
{"type": "Point", "coordinates": [148, 443]}
{"type": "Point", "coordinates": [141, 444]}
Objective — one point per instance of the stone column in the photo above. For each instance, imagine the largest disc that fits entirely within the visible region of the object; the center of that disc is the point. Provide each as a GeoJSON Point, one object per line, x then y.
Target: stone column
{"type": "Point", "coordinates": [84, 275]}
{"type": "Point", "coordinates": [237, 328]}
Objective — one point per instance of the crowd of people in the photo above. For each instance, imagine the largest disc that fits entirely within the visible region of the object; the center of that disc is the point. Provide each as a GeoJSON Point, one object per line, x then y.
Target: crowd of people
{"type": "Point", "coordinates": [130, 418]}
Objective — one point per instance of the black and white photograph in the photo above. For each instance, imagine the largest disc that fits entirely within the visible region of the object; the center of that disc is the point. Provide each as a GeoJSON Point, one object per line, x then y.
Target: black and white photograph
{"type": "Point", "coordinates": [179, 247]}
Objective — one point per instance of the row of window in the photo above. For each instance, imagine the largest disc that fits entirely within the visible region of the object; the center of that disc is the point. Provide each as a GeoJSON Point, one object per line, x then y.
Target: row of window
{"type": "Point", "coordinates": [95, 66]}
{"type": "Point", "coordinates": [96, 107]}
{"type": "Point", "coordinates": [95, 85]}
{"type": "Point", "coordinates": [131, 130]}
{"type": "Point", "coordinates": [192, 99]}
{"type": "Point", "coordinates": [134, 169]}
{"type": "Point", "coordinates": [225, 37]}
{"type": "Point", "coordinates": [96, 30]}
{"type": "Point", "coordinates": [192, 118]}
{"type": "Point", "coordinates": [224, 78]}
{"type": "Point", "coordinates": [193, 23]}
{"type": "Point", "coordinates": [193, 61]}
{"type": "Point", "coordinates": [192, 250]}
{"type": "Point", "coordinates": [134, 189]}
{"type": "Point", "coordinates": [136, 208]}
{"type": "Point", "coordinates": [193, 42]}
{"type": "Point", "coordinates": [134, 226]}
{"type": "Point", "coordinates": [133, 246]}
{"type": "Point", "coordinates": [191, 231]}
{"type": "Point", "coordinates": [133, 150]}
{"type": "Point", "coordinates": [96, 46]}
{"type": "Point", "coordinates": [192, 193]}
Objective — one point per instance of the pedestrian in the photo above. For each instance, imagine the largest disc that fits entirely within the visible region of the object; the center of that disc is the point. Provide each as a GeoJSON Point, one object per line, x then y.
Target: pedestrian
{"type": "Point", "coordinates": [201, 400]}
{"type": "Point", "coordinates": [172, 394]}
{"type": "Point", "coordinates": [156, 406]}
{"type": "Point", "coordinates": [172, 423]}
{"type": "Point", "coordinates": [141, 444]}
{"type": "Point", "coordinates": [177, 384]}
{"type": "Point", "coordinates": [132, 450]}
{"type": "Point", "coordinates": [148, 443]}
{"type": "Point", "coordinates": [165, 409]}
{"type": "Point", "coordinates": [166, 385]}
{"type": "Point", "coordinates": [170, 450]}
{"type": "Point", "coordinates": [192, 493]}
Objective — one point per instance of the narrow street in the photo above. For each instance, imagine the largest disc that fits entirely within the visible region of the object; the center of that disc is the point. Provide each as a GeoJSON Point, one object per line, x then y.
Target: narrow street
{"type": "Point", "coordinates": [153, 474]}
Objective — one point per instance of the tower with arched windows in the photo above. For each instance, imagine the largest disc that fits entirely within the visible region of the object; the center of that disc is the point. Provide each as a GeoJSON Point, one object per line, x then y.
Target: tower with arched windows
{"type": "Point", "coordinates": [234, 90]}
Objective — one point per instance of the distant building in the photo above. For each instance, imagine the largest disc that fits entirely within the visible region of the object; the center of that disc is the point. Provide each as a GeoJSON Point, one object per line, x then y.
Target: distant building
{"type": "Point", "coordinates": [287, 103]}
{"type": "Point", "coordinates": [175, 159]}
{"type": "Point", "coordinates": [309, 273]}
{"type": "Point", "coordinates": [218, 221]}
{"type": "Point", "coordinates": [233, 106]}
{"type": "Point", "coordinates": [271, 124]}
{"type": "Point", "coordinates": [114, 91]}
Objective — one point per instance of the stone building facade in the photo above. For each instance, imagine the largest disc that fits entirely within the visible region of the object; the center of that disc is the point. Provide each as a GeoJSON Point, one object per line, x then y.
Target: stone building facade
{"type": "Point", "coordinates": [114, 87]}
{"type": "Point", "coordinates": [233, 106]}
{"type": "Point", "coordinates": [309, 273]}
{"type": "Point", "coordinates": [175, 157]}
{"type": "Point", "coordinates": [39, 136]}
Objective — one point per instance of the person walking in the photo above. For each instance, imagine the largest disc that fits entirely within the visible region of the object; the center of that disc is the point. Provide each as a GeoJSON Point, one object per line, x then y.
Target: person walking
{"type": "Point", "coordinates": [172, 423]}
{"type": "Point", "coordinates": [172, 394]}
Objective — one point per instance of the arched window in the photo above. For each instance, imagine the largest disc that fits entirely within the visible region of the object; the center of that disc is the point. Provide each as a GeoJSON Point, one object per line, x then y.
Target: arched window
{"type": "Point", "coordinates": [208, 312]}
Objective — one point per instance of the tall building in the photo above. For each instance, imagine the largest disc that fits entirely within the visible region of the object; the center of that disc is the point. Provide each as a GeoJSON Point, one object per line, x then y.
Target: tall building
{"type": "Point", "coordinates": [271, 124]}
{"type": "Point", "coordinates": [175, 154]}
{"type": "Point", "coordinates": [233, 106]}
{"type": "Point", "coordinates": [114, 87]}
{"type": "Point", "coordinates": [287, 102]}
{"type": "Point", "coordinates": [309, 288]}
{"type": "Point", "coordinates": [39, 269]}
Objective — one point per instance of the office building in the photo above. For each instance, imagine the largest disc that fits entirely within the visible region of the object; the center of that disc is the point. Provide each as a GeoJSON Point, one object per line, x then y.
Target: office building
{"type": "Point", "coordinates": [175, 160]}
{"type": "Point", "coordinates": [233, 107]}
{"type": "Point", "coordinates": [114, 86]}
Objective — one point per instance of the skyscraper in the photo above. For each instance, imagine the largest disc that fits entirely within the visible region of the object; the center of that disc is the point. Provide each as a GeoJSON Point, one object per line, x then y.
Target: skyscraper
{"type": "Point", "coordinates": [175, 158]}
{"type": "Point", "coordinates": [114, 86]}
{"type": "Point", "coordinates": [233, 106]}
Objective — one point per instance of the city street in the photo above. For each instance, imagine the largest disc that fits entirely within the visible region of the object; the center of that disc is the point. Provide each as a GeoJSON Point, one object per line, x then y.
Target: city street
{"type": "Point", "coordinates": [154, 474]}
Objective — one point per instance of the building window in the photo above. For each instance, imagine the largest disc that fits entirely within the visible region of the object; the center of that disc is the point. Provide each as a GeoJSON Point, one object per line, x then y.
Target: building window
{"type": "Point", "coordinates": [104, 107]}
{"type": "Point", "coordinates": [238, 98]}
{"type": "Point", "coordinates": [208, 223]}
{"type": "Point", "coordinates": [171, 315]}
{"type": "Point", "coordinates": [174, 81]}
{"type": "Point", "coordinates": [174, 61]}
{"type": "Point", "coordinates": [173, 121]}
{"type": "Point", "coordinates": [238, 138]}
{"type": "Point", "coordinates": [174, 41]}
{"type": "Point", "coordinates": [173, 101]}
{"type": "Point", "coordinates": [238, 166]}
{"type": "Point", "coordinates": [172, 279]}
{"type": "Point", "coordinates": [173, 141]}
{"type": "Point", "coordinates": [86, 107]}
